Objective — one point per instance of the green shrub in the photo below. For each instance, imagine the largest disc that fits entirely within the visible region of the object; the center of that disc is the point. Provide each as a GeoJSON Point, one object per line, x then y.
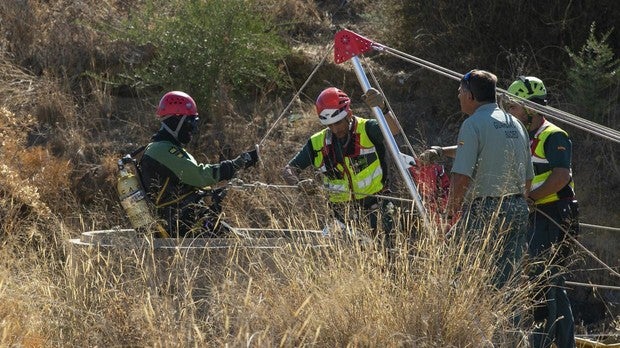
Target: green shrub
{"type": "Point", "coordinates": [509, 38]}
{"type": "Point", "coordinates": [593, 92]}
{"type": "Point", "coordinates": [217, 50]}
{"type": "Point", "coordinates": [594, 80]}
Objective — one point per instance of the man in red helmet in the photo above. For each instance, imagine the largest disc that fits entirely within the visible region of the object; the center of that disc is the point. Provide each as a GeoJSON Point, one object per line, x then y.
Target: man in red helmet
{"type": "Point", "coordinates": [351, 155]}
{"type": "Point", "coordinates": [172, 178]}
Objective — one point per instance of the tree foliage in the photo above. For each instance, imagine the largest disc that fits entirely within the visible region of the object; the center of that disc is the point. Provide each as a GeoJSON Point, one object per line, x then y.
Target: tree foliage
{"type": "Point", "coordinates": [594, 79]}
{"type": "Point", "coordinates": [507, 37]}
{"type": "Point", "coordinates": [216, 50]}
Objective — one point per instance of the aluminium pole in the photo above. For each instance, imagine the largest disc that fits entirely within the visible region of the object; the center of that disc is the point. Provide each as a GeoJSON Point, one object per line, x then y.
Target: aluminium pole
{"type": "Point", "coordinates": [391, 142]}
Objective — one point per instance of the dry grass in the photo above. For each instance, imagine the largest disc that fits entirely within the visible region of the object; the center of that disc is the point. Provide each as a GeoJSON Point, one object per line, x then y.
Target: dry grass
{"type": "Point", "coordinates": [63, 129]}
{"type": "Point", "coordinates": [344, 294]}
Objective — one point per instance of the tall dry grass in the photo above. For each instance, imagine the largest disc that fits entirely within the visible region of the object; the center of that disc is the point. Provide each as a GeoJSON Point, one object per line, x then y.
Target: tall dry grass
{"type": "Point", "coordinates": [344, 293]}
{"type": "Point", "coordinates": [64, 126]}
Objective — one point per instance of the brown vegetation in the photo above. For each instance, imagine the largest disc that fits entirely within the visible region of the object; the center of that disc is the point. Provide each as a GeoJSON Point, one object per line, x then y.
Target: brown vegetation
{"type": "Point", "coordinates": [65, 123]}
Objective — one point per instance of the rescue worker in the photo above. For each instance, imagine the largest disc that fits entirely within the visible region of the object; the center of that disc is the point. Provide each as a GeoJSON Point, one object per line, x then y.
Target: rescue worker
{"type": "Point", "coordinates": [552, 194]}
{"type": "Point", "coordinates": [175, 183]}
{"type": "Point", "coordinates": [491, 174]}
{"type": "Point", "coordinates": [351, 156]}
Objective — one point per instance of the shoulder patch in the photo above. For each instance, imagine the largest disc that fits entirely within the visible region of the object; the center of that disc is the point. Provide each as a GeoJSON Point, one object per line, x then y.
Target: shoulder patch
{"type": "Point", "coordinates": [175, 151]}
{"type": "Point", "coordinates": [561, 148]}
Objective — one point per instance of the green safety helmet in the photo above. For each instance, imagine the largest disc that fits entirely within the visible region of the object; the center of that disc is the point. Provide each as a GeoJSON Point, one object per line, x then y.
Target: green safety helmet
{"type": "Point", "coordinates": [529, 87]}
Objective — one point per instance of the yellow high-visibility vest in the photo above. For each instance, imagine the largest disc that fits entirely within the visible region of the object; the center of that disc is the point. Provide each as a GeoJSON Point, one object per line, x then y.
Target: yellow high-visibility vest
{"type": "Point", "coordinates": [360, 174]}
{"type": "Point", "coordinates": [539, 157]}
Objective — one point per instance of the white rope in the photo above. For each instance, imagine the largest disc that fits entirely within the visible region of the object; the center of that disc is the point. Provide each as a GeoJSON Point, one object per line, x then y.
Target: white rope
{"type": "Point", "coordinates": [597, 227]}
{"type": "Point", "coordinates": [590, 285]}
{"type": "Point", "coordinates": [316, 68]}
{"type": "Point", "coordinates": [240, 185]}
{"type": "Point", "coordinates": [574, 240]}
{"type": "Point", "coordinates": [575, 121]}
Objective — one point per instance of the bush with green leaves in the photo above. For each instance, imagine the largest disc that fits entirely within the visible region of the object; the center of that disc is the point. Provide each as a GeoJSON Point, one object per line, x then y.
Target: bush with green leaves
{"type": "Point", "coordinates": [216, 50]}
{"type": "Point", "coordinates": [594, 80]}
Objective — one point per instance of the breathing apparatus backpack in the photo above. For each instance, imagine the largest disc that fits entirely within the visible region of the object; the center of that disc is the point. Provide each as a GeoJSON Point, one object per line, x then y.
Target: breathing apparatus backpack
{"type": "Point", "coordinates": [133, 197]}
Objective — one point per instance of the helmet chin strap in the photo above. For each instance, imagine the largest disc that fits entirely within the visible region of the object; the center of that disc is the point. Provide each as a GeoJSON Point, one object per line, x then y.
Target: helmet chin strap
{"type": "Point", "coordinates": [528, 124]}
{"type": "Point", "coordinates": [351, 122]}
{"type": "Point", "coordinates": [175, 133]}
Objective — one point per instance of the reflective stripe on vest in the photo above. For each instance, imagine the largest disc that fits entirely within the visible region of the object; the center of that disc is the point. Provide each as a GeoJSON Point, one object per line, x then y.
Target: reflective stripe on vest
{"type": "Point", "coordinates": [358, 179]}
{"type": "Point", "coordinates": [538, 156]}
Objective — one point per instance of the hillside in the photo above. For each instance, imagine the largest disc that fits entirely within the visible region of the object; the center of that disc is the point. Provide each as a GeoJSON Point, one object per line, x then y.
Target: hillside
{"type": "Point", "coordinates": [81, 80]}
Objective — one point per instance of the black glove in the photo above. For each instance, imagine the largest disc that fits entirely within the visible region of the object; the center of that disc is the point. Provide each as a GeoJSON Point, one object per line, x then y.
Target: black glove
{"type": "Point", "coordinates": [250, 158]}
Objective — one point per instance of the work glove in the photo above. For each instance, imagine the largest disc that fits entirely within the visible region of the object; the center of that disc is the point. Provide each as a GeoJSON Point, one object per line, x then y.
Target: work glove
{"type": "Point", "coordinates": [407, 160]}
{"type": "Point", "coordinates": [289, 174]}
{"type": "Point", "coordinates": [373, 98]}
{"type": "Point", "coordinates": [308, 186]}
{"type": "Point", "coordinates": [250, 157]}
{"type": "Point", "coordinates": [432, 155]}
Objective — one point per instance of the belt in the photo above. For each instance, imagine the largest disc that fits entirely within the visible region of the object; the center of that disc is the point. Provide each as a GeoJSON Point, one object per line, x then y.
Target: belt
{"type": "Point", "coordinates": [495, 198]}
{"type": "Point", "coordinates": [566, 199]}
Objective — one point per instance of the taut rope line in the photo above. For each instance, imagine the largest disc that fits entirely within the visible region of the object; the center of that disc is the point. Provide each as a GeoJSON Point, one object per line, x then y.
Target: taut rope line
{"type": "Point", "coordinates": [575, 121]}
{"type": "Point", "coordinates": [574, 240]}
{"type": "Point", "coordinates": [238, 184]}
{"type": "Point", "coordinates": [316, 68]}
{"type": "Point", "coordinates": [387, 103]}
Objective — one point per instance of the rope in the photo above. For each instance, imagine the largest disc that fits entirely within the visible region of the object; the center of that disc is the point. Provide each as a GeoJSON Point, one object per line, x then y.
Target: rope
{"type": "Point", "coordinates": [597, 227]}
{"type": "Point", "coordinates": [316, 68]}
{"type": "Point", "coordinates": [238, 184]}
{"type": "Point", "coordinates": [387, 103]}
{"type": "Point", "coordinates": [575, 121]}
{"type": "Point", "coordinates": [590, 269]}
{"type": "Point", "coordinates": [574, 240]}
{"type": "Point", "coordinates": [590, 285]}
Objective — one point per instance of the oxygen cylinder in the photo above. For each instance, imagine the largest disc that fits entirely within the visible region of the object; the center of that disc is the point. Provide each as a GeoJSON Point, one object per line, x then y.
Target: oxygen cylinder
{"type": "Point", "coordinates": [133, 198]}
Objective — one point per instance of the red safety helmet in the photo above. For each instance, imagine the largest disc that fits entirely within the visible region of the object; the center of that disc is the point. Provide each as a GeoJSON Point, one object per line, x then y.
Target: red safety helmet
{"type": "Point", "coordinates": [176, 103]}
{"type": "Point", "coordinates": [332, 105]}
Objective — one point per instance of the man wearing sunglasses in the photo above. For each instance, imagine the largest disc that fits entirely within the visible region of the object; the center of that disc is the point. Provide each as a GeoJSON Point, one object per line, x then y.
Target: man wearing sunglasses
{"type": "Point", "coordinates": [175, 183]}
{"type": "Point", "coordinates": [491, 173]}
{"type": "Point", "coordinates": [351, 156]}
{"type": "Point", "coordinates": [553, 196]}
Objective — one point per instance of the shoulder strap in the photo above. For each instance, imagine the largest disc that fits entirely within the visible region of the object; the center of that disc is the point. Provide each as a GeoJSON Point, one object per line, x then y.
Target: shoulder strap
{"type": "Point", "coordinates": [137, 151]}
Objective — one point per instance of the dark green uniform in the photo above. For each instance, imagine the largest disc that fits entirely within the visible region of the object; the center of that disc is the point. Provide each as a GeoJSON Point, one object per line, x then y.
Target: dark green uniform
{"type": "Point", "coordinates": [552, 150]}
{"type": "Point", "coordinates": [176, 184]}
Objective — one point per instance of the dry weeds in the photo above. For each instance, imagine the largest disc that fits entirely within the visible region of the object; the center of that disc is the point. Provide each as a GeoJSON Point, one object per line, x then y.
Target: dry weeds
{"type": "Point", "coordinates": [63, 129]}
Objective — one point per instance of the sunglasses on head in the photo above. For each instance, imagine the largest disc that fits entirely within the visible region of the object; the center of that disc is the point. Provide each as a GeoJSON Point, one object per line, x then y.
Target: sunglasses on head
{"type": "Point", "coordinates": [466, 82]}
